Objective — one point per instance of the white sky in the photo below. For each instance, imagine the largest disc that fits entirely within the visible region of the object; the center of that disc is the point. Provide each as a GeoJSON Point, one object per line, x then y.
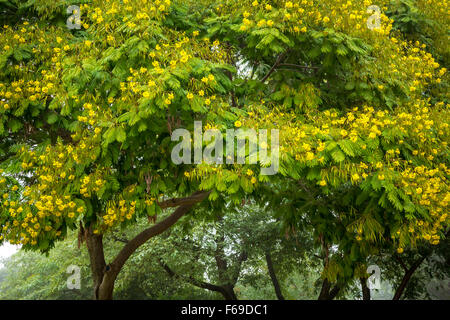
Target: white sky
{"type": "Point", "coordinates": [7, 250]}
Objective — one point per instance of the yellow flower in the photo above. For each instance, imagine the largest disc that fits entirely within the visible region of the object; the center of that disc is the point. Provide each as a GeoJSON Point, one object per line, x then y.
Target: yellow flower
{"type": "Point", "coordinates": [400, 250]}
{"type": "Point", "coordinates": [237, 124]}
{"type": "Point", "coordinates": [323, 183]}
{"type": "Point", "coordinates": [190, 96]}
{"type": "Point", "coordinates": [253, 180]}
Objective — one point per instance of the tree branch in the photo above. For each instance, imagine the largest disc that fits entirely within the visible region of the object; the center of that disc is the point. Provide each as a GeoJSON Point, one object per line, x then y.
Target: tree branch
{"type": "Point", "coordinates": [401, 288]}
{"type": "Point", "coordinates": [118, 239]}
{"type": "Point", "coordinates": [242, 257]}
{"type": "Point", "coordinates": [277, 62]}
{"type": "Point", "coordinates": [190, 279]}
{"type": "Point", "coordinates": [365, 289]}
{"type": "Point", "coordinates": [298, 66]}
{"type": "Point", "coordinates": [97, 258]}
{"type": "Point", "coordinates": [399, 260]}
{"type": "Point", "coordinates": [176, 202]}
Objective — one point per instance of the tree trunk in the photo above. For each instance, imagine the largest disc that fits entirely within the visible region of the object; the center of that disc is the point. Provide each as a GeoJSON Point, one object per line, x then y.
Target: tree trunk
{"type": "Point", "coordinates": [273, 277]}
{"type": "Point", "coordinates": [328, 293]}
{"type": "Point", "coordinates": [228, 292]}
{"type": "Point", "coordinates": [94, 245]}
{"type": "Point", "coordinates": [324, 292]}
{"type": "Point", "coordinates": [104, 275]}
{"type": "Point", "coordinates": [365, 289]}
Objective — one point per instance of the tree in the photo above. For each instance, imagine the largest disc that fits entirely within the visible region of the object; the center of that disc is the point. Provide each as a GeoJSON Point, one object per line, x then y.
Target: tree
{"type": "Point", "coordinates": [234, 251]}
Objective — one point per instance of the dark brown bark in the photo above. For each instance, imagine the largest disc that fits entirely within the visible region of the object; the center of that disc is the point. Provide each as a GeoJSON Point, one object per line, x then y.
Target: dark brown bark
{"type": "Point", "coordinates": [273, 277]}
{"type": "Point", "coordinates": [365, 289]}
{"type": "Point", "coordinates": [228, 276]}
{"type": "Point", "coordinates": [327, 292]}
{"type": "Point", "coordinates": [324, 292]}
{"type": "Point", "coordinates": [408, 274]}
{"type": "Point", "coordinates": [105, 275]}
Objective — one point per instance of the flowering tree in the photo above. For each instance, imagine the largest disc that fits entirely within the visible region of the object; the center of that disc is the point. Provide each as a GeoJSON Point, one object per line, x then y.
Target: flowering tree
{"type": "Point", "coordinates": [87, 115]}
